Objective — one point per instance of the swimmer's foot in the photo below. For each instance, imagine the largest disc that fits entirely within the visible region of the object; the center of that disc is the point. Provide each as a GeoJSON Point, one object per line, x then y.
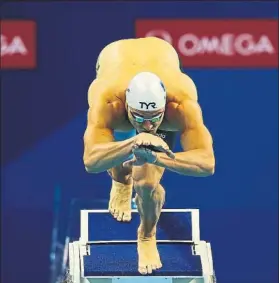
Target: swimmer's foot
{"type": "Point", "coordinates": [120, 201]}
{"type": "Point", "coordinates": [149, 258]}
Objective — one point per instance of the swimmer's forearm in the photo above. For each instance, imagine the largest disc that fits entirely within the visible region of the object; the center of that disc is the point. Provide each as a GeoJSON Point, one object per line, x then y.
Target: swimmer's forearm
{"type": "Point", "coordinates": [196, 163]}
{"type": "Point", "coordinates": [104, 156]}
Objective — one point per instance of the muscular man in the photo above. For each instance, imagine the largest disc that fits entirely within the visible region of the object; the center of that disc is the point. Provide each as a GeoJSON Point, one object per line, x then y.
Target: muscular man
{"type": "Point", "coordinates": [139, 87]}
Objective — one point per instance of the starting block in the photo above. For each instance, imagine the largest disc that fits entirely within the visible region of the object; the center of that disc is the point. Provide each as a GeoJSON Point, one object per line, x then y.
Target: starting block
{"type": "Point", "coordinates": [106, 251]}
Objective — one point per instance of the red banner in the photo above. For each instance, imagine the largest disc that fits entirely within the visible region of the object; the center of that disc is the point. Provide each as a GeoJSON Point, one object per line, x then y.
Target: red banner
{"type": "Point", "coordinates": [18, 44]}
{"type": "Point", "coordinates": [217, 43]}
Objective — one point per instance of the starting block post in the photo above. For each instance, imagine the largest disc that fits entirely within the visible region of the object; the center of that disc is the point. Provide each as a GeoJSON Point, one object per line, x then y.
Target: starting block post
{"type": "Point", "coordinates": [106, 251]}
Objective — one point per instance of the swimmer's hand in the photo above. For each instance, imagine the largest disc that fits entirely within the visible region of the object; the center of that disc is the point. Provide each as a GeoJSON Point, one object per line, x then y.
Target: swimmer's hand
{"type": "Point", "coordinates": [141, 155]}
{"type": "Point", "coordinates": [149, 140]}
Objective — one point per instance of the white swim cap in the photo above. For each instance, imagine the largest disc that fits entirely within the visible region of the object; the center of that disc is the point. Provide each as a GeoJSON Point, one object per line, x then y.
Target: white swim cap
{"type": "Point", "coordinates": [146, 92]}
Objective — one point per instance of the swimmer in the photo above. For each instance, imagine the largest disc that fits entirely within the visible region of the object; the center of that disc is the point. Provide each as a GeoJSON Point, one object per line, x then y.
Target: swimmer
{"type": "Point", "coordinates": [139, 87]}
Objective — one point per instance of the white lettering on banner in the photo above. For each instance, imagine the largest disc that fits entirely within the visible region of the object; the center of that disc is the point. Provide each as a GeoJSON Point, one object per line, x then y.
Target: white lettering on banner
{"type": "Point", "coordinates": [227, 44]}
{"type": "Point", "coordinates": [16, 46]}
{"type": "Point", "coordinates": [190, 45]}
{"type": "Point", "coordinates": [245, 45]}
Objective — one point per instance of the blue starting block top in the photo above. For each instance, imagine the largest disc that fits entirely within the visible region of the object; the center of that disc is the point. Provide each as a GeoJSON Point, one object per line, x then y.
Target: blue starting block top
{"type": "Point", "coordinates": [107, 249]}
{"type": "Point", "coordinates": [121, 260]}
{"type": "Point", "coordinates": [112, 247]}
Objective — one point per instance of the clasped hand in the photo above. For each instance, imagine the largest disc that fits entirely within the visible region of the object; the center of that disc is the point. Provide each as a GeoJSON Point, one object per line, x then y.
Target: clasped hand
{"type": "Point", "coordinates": [142, 154]}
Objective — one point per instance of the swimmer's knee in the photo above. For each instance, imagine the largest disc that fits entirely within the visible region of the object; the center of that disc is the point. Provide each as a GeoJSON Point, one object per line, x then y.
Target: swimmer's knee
{"type": "Point", "coordinates": [145, 184]}
{"type": "Point", "coordinates": [145, 191]}
{"type": "Point", "coordinates": [145, 187]}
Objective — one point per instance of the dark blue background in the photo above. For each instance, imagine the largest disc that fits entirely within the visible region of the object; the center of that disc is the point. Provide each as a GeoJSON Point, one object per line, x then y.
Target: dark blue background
{"type": "Point", "coordinates": [44, 118]}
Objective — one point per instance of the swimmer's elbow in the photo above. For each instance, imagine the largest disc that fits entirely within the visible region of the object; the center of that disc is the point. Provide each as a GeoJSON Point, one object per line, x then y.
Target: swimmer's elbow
{"type": "Point", "coordinates": [90, 167]}
{"type": "Point", "coordinates": [209, 167]}
{"type": "Point", "coordinates": [91, 161]}
{"type": "Point", "coordinates": [209, 171]}
{"type": "Point", "coordinates": [91, 170]}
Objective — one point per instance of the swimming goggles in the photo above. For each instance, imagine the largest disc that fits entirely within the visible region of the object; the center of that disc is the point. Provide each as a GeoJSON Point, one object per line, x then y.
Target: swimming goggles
{"type": "Point", "coordinates": [140, 119]}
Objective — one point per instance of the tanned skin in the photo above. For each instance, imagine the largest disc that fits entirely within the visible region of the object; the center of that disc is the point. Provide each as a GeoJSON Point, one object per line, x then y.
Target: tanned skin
{"type": "Point", "coordinates": [108, 111]}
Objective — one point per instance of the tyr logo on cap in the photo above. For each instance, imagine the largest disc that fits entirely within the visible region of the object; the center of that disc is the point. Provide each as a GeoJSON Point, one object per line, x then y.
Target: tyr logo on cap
{"type": "Point", "coordinates": [152, 104]}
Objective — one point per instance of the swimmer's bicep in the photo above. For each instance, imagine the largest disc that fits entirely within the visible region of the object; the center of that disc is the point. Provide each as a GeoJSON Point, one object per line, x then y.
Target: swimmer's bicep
{"type": "Point", "coordinates": [194, 134]}
{"type": "Point", "coordinates": [98, 127]}
{"type": "Point", "coordinates": [99, 117]}
{"type": "Point", "coordinates": [94, 135]}
{"type": "Point", "coordinates": [196, 138]}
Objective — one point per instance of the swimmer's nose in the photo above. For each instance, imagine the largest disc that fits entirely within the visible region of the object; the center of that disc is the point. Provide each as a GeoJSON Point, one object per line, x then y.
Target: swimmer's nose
{"type": "Point", "coordinates": [147, 125]}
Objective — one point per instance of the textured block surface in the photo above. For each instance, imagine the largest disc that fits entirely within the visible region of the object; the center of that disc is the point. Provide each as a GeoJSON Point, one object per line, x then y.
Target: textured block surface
{"type": "Point", "coordinates": [121, 260]}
